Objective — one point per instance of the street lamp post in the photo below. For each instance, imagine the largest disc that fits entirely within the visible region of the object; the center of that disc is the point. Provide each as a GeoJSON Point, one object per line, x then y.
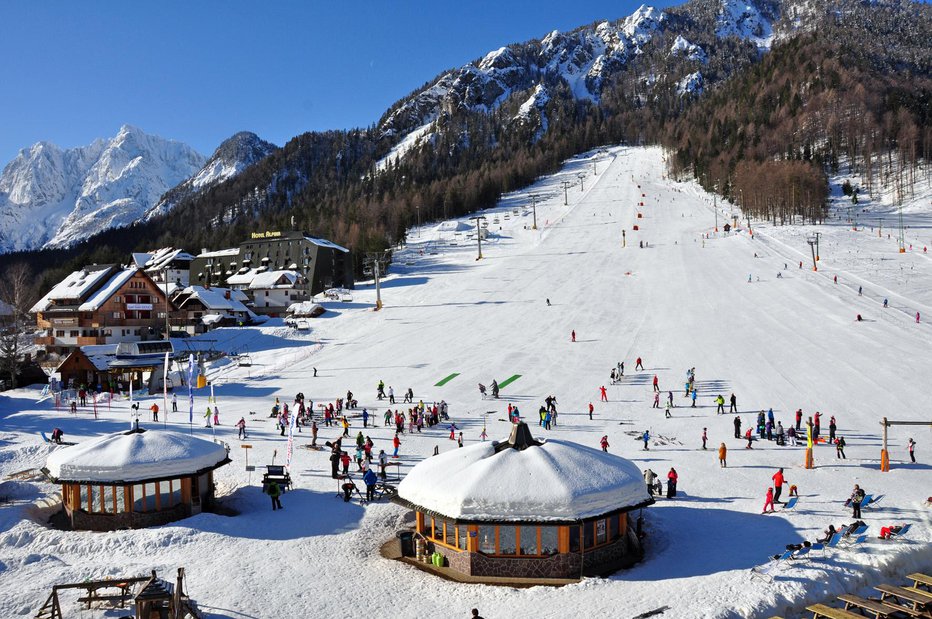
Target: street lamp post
{"type": "Point", "coordinates": [534, 209]}
{"type": "Point", "coordinates": [165, 279]}
{"type": "Point", "coordinates": [479, 233]}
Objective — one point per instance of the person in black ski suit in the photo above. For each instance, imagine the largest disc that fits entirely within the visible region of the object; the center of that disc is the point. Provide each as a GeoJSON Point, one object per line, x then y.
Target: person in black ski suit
{"type": "Point", "coordinates": [737, 427]}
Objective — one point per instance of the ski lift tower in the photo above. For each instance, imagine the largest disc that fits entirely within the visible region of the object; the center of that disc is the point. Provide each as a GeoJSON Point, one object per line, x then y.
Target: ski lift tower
{"type": "Point", "coordinates": [582, 179]}
{"type": "Point", "coordinates": [479, 220]}
{"type": "Point", "coordinates": [901, 237]}
{"type": "Point", "coordinates": [375, 262]}
{"type": "Point", "coordinates": [534, 208]}
{"type": "Point", "coordinates": [812, 244]}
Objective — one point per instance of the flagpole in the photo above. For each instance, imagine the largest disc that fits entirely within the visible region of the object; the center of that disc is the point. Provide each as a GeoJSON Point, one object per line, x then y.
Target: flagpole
{"type": "Point", "coordinates": [165, 392]}
{"type": "Point", "coordinates": [191, 393]}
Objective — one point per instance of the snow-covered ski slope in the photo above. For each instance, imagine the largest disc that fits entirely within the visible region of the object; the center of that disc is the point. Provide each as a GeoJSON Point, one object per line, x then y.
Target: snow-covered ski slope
{"type": "Point", "coordinates": [786, 343]}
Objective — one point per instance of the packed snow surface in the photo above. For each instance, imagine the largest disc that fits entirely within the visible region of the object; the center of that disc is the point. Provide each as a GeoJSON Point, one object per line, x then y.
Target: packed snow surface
{"type": "Point", "coordinates": [682, 301]}
{"type": "Point", "coordinates": [133, 456]}
{"type": "Point", "coordinates": [558, 480]}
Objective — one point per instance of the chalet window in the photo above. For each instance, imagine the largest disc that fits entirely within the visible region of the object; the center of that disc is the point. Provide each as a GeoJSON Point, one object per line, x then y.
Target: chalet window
{"type": "Point", "coordinates": [528, 540]}
{"type": "Point", "coordinates": [117, 315]}
{"type": "Point", "coordinates": [574, 539]}
{"type": "Point", "coordinates": [507, 541]}
{"type": "Point", "coordinates": [60, 333]}
{"type": "Point", "coordinates": [548, 540]}
{"type": "Point", "coordinates": [601, 531]}
{"type": "Point", "coordinates": [487, 540]}
{"type": "Point", "coordinates": [73, 333]}
{"type": "Point", "coordinates": [118, 299]}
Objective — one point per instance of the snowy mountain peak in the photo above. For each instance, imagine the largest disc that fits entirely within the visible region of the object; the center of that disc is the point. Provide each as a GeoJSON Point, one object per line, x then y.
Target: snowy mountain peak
{"type": "Point", "coordinates": [745, 20]}
{"type": "Point", "coordinates": [234, 155]}
{"type": "Point", "coordinates": [641, 24]}
{"type": "Point", "coordinates": [55, 197]}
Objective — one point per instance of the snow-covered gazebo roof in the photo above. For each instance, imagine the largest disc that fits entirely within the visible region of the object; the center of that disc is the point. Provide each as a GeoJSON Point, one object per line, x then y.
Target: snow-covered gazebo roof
{"type": "Point", "coordinates": [134, 456]}
{"type": "Point", "coordinates": [524, 480]}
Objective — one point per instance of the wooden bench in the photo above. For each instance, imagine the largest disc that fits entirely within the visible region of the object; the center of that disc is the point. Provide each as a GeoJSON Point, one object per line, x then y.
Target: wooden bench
{"type": "Point", "coordinates": [821, 611]}
{"type": "Point", "coordinates": [93, 596]}
{"type": "Point", "coordinates": [921, 581]}
{"type": "Point", "coordinates": [875, 607]}
{"type": "Point", "coordinates": [915, 599]}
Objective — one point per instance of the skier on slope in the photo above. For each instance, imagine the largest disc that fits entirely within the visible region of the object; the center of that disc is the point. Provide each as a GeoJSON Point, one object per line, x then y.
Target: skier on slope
{"type": "Point", "coordinates": [646, 438]}
{"type": "Point", "coordinates": [604, 443]}
{"type": "Point", "coordinates": [737, 427]}
{"type": "Point", "coordinates": [604, 393]}
{"type": "Point", "coordinates": [656, 384]}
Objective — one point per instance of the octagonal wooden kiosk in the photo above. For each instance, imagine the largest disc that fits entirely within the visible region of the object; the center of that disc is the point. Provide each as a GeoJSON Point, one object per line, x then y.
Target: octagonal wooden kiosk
{"type": "Point", "coordinates": [527, 509]}
{"type": "Point", "coordinates": [135, 479]}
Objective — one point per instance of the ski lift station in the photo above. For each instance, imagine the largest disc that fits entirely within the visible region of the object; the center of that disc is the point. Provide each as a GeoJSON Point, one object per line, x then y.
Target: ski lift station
{"type": "Point", "coordinates": [524, 508]}
{"type": "Point", "coordinates": [136, 479]}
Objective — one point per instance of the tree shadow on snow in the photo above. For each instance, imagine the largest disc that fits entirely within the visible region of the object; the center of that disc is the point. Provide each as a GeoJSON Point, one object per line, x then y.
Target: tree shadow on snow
{"type": "Point", "coordinates": [707, 538]}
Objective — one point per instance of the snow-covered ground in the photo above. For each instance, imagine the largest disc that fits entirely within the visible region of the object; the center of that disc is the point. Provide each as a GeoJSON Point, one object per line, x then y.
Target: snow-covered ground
{"type": "Point", "coordinates": [684, 301]}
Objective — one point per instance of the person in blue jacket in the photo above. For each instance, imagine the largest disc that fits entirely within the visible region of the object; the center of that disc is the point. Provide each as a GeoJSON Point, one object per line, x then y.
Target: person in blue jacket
{"type": "Point", "coordinates": [370, 479]}
{"type": "Point", "coordinates": [646, 438]}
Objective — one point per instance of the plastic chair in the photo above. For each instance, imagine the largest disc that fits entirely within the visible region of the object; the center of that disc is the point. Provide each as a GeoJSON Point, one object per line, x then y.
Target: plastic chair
{"type": "Point", "coordinates": [791, 504]}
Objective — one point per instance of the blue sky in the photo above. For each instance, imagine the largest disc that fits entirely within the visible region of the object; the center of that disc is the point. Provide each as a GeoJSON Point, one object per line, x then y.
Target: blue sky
{"type": "Point", "coordinates": [200, 71]}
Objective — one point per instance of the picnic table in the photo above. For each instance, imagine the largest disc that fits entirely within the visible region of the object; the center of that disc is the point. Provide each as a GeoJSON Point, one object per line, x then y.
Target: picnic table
{"type": "Point", "coordinates": [921, 581]}
{"type": "Point", "coordinates": [93, 592]}
{"type": "Point", "coordinates": [821, 611]}
{"type": "Point", "coordinates": [914, 599]}
{"type": "Point", "coordinates": [879, 610]}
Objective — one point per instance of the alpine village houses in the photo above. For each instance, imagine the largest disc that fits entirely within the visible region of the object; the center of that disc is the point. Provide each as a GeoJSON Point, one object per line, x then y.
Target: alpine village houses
{"type": "Point", "coordinates": [101, 304]}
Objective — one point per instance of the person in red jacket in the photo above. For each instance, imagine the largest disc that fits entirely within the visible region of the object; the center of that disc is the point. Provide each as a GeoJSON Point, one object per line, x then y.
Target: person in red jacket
{"type": "Point", "coordinates": [768, 501]}
{"type": "Point", "coordinates": [638, 365]}
{"type": "Point", "coordinates": [778, 485]}
{"type": "Point", "coordinates": [604, 443]}
{"type": "Point", "coordinates": [748, 435]}
{"type": "Point", "coordinates": [799, 418]}
{"type": "Point", "coordinates": [656, 384]}
{"type": "Point", "coordinates": [591, 409]}
{"type": "Point", "coordinates": [604, 393]}
{"type": "Point", "coordinates": [671, 483]}
{"type": "Point", "coordinates": [396, 442]}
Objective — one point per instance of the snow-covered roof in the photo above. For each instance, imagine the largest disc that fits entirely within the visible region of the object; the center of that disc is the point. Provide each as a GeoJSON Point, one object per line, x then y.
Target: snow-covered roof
{"type": "Point", "coordinates": [216, 298]}
{"type": "Point", "coordinates": [547, 481]}
{"type": "Point", "coordinates": [242, 279]}
{"type": "Point", "coordinates": [158, 259]}
{"type": "Point", "coordinates": [109, 289]}
{"type": "Point", "coordinates": [220, 253]}
{"type": "Point", "coordinates": [274, 279]}
{"type": "Point", "coordinates": [134, 456]}
{"type": "Point", "coordinates": [305, 308]}
{"type": "Point", "coordinates": [73, 287]}
{"type": "Point", "coordinates": [325, 243]}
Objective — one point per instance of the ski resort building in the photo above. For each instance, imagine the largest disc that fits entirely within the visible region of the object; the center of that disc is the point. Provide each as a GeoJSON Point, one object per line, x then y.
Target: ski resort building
{"type": "Point", "coordinates": [136, 479]}
{"type": "Point", "coordinates": [100, 304]}
{"type": "Point", "coordinates": [321, 264]}
{"type": "Point", "coordinates": [527, 509]}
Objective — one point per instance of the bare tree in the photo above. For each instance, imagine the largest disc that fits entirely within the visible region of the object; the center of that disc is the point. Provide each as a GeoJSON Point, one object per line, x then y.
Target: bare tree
{"type": "Point", "coordinates": [17, 295]}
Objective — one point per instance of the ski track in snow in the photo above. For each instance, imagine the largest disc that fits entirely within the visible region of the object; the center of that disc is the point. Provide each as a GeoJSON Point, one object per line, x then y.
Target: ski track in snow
{"type": "Point", "coordinates": [783, 343]}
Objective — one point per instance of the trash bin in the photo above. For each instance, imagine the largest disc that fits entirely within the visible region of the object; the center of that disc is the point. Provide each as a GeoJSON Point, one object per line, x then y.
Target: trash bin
{"type": "Point", "coordinates": [406, 538]}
